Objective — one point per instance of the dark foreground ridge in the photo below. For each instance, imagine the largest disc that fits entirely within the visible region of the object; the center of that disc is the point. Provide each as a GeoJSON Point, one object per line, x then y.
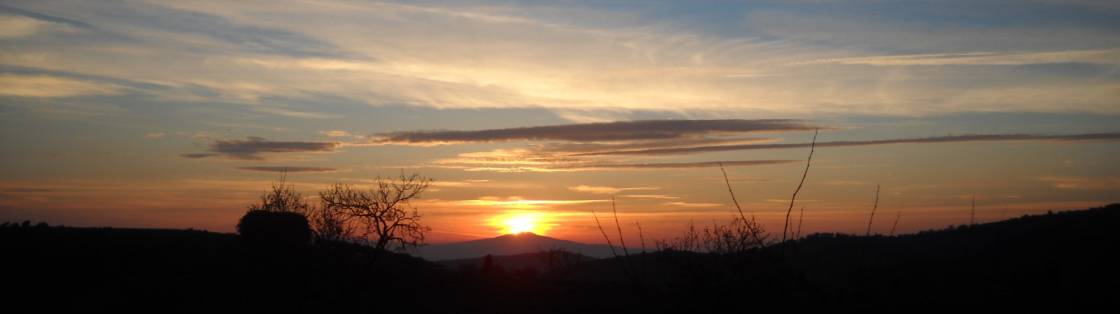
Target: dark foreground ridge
{"type": "Point", "coordinates": [1057, 259]}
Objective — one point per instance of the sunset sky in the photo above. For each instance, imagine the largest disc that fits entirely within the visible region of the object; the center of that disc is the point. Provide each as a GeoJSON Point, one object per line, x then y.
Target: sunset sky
{"type": "Point", "coordinates": [178, 114]}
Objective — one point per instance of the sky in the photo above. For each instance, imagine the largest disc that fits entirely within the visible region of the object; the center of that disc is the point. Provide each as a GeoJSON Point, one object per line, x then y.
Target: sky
{"type": "Point", "coordinates": [177, 114]}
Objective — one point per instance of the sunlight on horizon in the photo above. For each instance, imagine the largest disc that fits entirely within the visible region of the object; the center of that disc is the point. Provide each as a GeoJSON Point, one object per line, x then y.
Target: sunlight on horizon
{"type": "Point", "coordinates": [517, 222]}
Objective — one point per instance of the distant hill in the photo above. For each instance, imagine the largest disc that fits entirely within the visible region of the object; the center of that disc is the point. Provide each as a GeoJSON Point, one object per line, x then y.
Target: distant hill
{"type": "Point", "coordinates": [509, 244]}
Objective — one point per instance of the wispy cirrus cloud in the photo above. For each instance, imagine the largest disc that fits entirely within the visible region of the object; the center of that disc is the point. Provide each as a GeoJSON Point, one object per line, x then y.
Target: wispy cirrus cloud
{"type": "Point", "coordinates": [594, 189]}
{"type": "Point", "coordinates": [1082, 183]}
{"type": "Point", "coordinates": [626, 166]}
{"type": "Point", "coordinates": [594, 132]}
{"type": "Point", "coordinates": [692, 205]}
{"type": "Point", "coordinates": [335, 133]}
{"type": "Point", "coordinates": [1096, 56]}
{"type": "Point", "coordinates": [517, 202]}
{"type": "Point", "coordinates": [48, 86]}
{"type": "Point", "coordinates": [252, 148]}
{"type": "Point", "coordinates": [916, 140]}
{"type": "Point", "coordinates": [651, 196]}
{"type": "Point", "coordinates": [527, 160]}
{"type": "Point", "coordinates": [284, 169]}
{"type": "Point", "coordinates": [18, 26]}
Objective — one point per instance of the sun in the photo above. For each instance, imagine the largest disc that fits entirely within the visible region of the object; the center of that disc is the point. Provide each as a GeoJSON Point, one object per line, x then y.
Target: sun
{"type": "Point", "coordinates": [517, 222]}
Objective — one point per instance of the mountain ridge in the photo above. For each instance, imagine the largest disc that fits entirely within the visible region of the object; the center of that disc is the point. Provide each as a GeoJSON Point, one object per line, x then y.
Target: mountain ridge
{"type": "Point", "coordinates": [509, 244]}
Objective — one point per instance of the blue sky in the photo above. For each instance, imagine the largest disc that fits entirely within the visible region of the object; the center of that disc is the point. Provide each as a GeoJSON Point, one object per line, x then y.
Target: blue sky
{"type": "Point", "coordinates": [100, 102]}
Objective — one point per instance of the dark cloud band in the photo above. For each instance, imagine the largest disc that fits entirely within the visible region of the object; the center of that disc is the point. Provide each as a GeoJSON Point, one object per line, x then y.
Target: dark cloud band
{"type": "Point", "coordinates": [287, 169]}
{"type": "Point", "coordinates": [680, 165]}
{"type": "Point", "coordinates": [594, 132]}
{"type": "Point", "coordinates": [251, 148]}
{"type": "Point", "coordinates": [927, 140]}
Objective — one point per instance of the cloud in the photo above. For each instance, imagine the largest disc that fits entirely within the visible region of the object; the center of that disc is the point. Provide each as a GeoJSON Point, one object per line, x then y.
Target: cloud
{"type": "Point", "coordinates": [594, 132]}
{"type": "Point", "coordinates": [293, 113]}
{"type": "Point", "coordinates": [155, 135]}
{"type": "Point", "coordinates": [252, 147]}
{"type": "Point", "coordinates": [1083, 183]}
{"type": "Point", "coordinates": [691, 205]}
{"type": "Point", "coordinates": [1098, 56]}
{"type": "Point", "coordinates": [197, 155]}
{"type": "Point", "coordinates": [335, 133]}
{"type": "Point", "coordinates": [606, 166]}
{"type": "Point", "coordinates": [520, 203]}
{"type": "Point", "coordinates": [18, 26]}
{"type": "Point", "coordinates": [536, 160]}
{"type": "Point", "coordinates": [921, 140]}
{"type": "Point", "coordinates": [651, 196]}
{"type": "Point", "coordinates": [286, 169]}
{"type": "Point", "coordinates": [580, 57]}
{"type": "Point", "coordinates": [570, 147]}
{"type": "Point", "coordinates": [606, 189]}
{"type": "Point", "coordinates": [13, 26]}
{"type": "Point", "coordinates": [46, 86]}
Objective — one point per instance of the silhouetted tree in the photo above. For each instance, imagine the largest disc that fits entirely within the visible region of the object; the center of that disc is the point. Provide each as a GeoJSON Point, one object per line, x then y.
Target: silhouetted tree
{"type": "Point", "coordinates": [384, 213]}
{"type": "Point", "coordinates": [280, 217]}
{"type": "Point", "coordinates": [282, 198]}
{"type": "Point", "coordinates": [330, 223]}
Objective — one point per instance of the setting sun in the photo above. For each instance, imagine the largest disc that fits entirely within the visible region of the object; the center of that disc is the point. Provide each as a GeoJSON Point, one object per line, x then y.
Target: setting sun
{"type": "Point", "coordinates": [520, 222]}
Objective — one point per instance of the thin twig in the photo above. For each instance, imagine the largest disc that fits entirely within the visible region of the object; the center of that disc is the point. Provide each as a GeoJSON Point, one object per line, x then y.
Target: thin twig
{"type": "Point", "coordinates": [641, 237]}
{"type": "Point", "coordinates": [800, 220]}
{"type": "Point", "coordinates": [604, 232]}
{"type": "Point", "coordinates": [972, 214]}
{"type": "Point", "coordinates": [873, 208]}
{"type": "Point", "coordinates": [804, 174]}
{"type": "Point", "coordinates": [618, 225]}
{"type": "Point", "coordinates": [895, 225]}
{"type": "Point", "coordinates": [729, 191]}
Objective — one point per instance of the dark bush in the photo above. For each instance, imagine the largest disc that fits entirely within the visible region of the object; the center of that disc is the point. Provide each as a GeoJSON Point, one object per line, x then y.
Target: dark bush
{"type": "Point", "coordinates": [259, 226]}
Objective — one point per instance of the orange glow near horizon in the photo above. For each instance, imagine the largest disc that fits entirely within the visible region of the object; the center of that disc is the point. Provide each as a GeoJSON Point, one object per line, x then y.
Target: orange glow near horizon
{"type": "Point", "coordinates": [515, 222]}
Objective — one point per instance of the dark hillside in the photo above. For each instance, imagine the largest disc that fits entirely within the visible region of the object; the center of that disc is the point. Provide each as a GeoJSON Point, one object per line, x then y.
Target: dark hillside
{"type": "Point", "coordinates": [1052, 259]}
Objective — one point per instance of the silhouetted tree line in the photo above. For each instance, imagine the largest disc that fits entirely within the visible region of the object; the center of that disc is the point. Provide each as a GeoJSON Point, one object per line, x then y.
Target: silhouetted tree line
{"type": "Point", "coordinates": [382, 216]}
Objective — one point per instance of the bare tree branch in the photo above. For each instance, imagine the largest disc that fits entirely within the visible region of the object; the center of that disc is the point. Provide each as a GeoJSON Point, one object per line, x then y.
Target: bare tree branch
{"type": "Point", "coordinates": [384, 212]}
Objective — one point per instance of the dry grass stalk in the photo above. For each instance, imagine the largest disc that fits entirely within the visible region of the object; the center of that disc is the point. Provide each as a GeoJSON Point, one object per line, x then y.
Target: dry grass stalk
{"type": "Point", "coordinates": [604, 232]}
{"type": "Point", "coordinates": [618, 225]}
{"type": "Point", "coordinates": [895, 225]}
{"type": "Point", "coordinates": [641, 236]}
{"type": "Point", "coordinates": [792, 199]}
{"type": "Point", "coordinates": [873, 208]}
{"type": "Point", "coordinates": [732, 192]}
{"type": "Point", "coordinates": [972, 214]}
{"type": "Point", "coordinates": [800, 220]}
{"type": "Point", "coordinates": [752, 225]}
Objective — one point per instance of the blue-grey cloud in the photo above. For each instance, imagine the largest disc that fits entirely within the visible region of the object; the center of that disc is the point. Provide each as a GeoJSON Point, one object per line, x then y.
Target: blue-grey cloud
{"type": "Point", "coordinates": [252, 147]}
{"type": "Point", "coordinates": [287, 169]}
{"type": "Point", "coordinates": [595, 132]}
{"type": "Point", "coordinates": [920, 140]}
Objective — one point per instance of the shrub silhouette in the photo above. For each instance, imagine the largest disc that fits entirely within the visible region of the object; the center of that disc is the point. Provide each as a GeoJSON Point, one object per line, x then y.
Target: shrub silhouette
{"type": "Point", "coordinates": [262, 226]}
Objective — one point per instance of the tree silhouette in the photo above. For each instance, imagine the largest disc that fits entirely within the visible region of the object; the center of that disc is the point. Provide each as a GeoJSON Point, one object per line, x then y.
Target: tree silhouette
{"type": "Point", "coordinates": [279, 218]}
{"type": "Point", "coordinates": [282, 198]}
{"type": "Point", "coordinates": [384, 213]}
